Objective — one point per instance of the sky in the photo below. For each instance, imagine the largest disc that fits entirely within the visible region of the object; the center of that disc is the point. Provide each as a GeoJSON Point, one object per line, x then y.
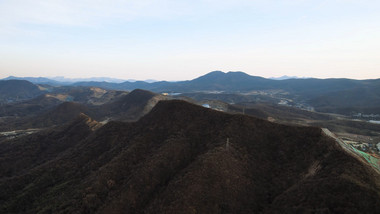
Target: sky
{"type": "Point", "coordinates": [183, 39]}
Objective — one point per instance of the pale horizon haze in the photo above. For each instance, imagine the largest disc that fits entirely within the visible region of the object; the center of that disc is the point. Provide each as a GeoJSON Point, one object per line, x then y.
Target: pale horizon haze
{"type": "Point", "coordinates": [180, 40]}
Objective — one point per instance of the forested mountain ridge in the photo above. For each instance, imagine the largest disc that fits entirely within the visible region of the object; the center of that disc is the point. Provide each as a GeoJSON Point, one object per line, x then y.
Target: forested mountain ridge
{"type": "Point", "coordinates": [182, 158]}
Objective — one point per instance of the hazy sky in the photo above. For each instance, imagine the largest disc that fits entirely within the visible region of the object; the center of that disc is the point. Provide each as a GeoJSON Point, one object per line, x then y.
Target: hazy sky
{"type": "Point", "coordinates": [178, 39]}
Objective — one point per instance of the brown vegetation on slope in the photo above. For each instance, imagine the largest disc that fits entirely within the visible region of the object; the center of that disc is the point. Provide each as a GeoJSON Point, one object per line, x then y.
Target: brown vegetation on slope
{"type": "Point", "coordinates": [182, 158]}
{"type": "Point", "coordinates": [20, 155]}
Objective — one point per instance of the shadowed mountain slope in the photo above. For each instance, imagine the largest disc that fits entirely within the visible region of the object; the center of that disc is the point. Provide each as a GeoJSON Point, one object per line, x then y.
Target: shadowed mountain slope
{"type": "Point", "coordinates": [364, 99]}
{"type": "Point", "coordinates": [86, 95]}
{"type": "Point", "coordinates": [53, 96]}
{"type": "Point", "coordinates": [128, 107]}
{"type": "Point", "coordinates": [131, 106]}
{"type": "Point", "coordinates": [182, 158]}
{"type": "Point", "coordinates": [17, 90]}
{"type": "Point", "coordinates": [61, 114]}
{"type": "Point", "coordinates": [22, 154]}
{"type": "Point", "coordinates": [282, 113]}
{"type": "Point", "coordinates": [58, 95]}
{"type": "Point", "coordinates": [29, 107]}
{"type": "Point", "coordinates": [57, 115]}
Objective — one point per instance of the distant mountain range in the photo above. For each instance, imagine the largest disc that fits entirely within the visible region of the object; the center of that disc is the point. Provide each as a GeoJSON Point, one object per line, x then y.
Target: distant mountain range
{"type": "Point", "coordinates": [213, 81]}
{"type": "Point", "coordinates": [98, 79]}
{"type": "Point", "coordinates": [339, 95]}
{"type": "Point", "coordinates": [38, 80]}
{"type": "Point", "coordinates": [68, 81]}
{"type": "Point", "coordinates": [327, 95]}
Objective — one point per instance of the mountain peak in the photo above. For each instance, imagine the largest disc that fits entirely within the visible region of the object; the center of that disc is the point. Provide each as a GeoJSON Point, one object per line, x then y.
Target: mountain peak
{"type": "Point", "coordinates": [165, 107]}
{"type": "Point", "coordinates": [218, 75]}
{"type": "Point", "coordinates": [211, 75]}
{"type": "Point", "coordinates": [215, 72]}
{"type": "Point", "coordinates": [137, 96]}
{"type": "Point", "coordinates": [238, 73]}
{"type": "Point", "coordinates": [139, 92]}
{"type": "Point", "coordinates": [231, 81]}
